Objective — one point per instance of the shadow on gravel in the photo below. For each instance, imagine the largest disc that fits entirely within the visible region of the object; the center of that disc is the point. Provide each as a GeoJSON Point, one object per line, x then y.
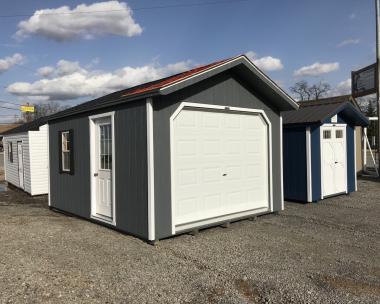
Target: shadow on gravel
{"type": "Point", "coordinates": [12, 196]}
{"type": "Point", "coordinates": [352, 286]}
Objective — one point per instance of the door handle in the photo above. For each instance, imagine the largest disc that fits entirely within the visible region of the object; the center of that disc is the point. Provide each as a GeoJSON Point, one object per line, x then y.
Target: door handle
{"type": "Point", "coordinates": [96, 174]}
{"type": "Point", "coordinates": [336, 162]}
{"type": "Point", "coordinates": [224, 174]}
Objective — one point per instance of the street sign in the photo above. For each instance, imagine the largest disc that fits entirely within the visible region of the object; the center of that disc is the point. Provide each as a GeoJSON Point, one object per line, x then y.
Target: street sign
{"type": "Point", "coordinates": [363, 81]}
{"type": "Point", "coordinates": [27, 108]}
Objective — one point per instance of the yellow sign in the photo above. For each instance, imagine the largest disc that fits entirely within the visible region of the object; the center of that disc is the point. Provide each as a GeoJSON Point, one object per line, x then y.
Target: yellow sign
{"type": "Point", "coordinates": [27, 108]}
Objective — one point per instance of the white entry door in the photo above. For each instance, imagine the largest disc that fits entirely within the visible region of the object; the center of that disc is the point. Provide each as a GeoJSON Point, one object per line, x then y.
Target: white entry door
{"type": "Point", "coordinates": [20, 164]}
{"type": "Point", "coordinates": [103, 168]}
{"type": "Point", "coordinates": [334, 160]}
{"type": "Point", "coordinates": [220, 165]}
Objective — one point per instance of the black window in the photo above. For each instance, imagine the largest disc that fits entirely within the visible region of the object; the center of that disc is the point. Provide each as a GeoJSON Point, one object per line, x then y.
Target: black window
{"type": "Point", "coordinates": [66, 151]}
{"type": "Point", "coordinates": [10, 152]}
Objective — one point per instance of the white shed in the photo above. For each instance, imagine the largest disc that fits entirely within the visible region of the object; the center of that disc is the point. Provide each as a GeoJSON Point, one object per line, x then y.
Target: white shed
{"type": "Point", "coordinates": [26, 157]}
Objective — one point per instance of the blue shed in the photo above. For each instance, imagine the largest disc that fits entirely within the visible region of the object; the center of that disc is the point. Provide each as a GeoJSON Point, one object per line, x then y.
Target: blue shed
{"type": "Point", "coordinates": [319, 150]}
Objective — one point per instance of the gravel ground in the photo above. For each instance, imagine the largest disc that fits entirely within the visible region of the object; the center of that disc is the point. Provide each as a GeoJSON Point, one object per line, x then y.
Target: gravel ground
{"type": "Point", "coordinates": [311, 253]}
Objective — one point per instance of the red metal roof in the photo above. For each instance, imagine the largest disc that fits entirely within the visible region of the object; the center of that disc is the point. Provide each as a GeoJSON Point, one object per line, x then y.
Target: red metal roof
{"type": "Point", "coordinates": [158, 84]}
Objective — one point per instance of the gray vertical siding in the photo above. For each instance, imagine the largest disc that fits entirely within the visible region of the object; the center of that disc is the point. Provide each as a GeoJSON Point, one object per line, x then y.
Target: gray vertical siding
{"type": "Point", "coordinates": [71, 193]}
{"type": "Point", "coordinates": [224, 89]}
{"type": "Point", "coordinates": [295, 163]}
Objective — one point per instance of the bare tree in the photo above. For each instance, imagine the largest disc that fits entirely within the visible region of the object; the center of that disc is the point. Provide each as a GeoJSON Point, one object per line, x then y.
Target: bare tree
{"type": "Point", "coordinates": [319, 90]}
{"type": "Point", "coordinates": [41, 110]}
{"type": "Point", "coordinates": [303, 91]}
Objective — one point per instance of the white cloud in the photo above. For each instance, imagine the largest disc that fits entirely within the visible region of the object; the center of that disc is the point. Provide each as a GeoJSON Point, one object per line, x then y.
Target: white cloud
{"type": "Point", "coordinates": [348, 42]}
{"type": "Point", "coordinates": [342, 88]}
{"type": "Point", "coordinates": [317, 69]}
{"type": "Point", "coordinates": [7, 62]}
{"type": "Point", "coordinates": [63, 23]}
{"type": "Point", "coordinates": [68, 80]}
{"type": "Point", "coordinates": [266, 63]}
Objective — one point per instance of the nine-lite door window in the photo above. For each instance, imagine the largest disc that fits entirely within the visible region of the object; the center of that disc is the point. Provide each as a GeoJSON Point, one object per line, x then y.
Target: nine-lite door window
{"type": "Point", "coordinates": [66, 152]}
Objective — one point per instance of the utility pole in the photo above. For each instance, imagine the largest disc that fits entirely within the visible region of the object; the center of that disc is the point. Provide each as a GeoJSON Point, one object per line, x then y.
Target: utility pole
{"type": "Point", "coordinates": [378, 74]}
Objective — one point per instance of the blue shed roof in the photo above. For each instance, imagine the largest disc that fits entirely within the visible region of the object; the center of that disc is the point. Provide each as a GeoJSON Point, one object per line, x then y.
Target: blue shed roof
{"type": "Point", "coordinates": [318, 111]}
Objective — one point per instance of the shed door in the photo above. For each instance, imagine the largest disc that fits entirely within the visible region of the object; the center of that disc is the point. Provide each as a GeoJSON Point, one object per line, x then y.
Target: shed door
{"type": "Point", "coordinates": [20, 159]}
{"type": "Point", "coordinates": [220, 166]}
{"type": "Point", "coordinates": [334, 164]}
{"type": "Point", "coordinates": [103, 168]}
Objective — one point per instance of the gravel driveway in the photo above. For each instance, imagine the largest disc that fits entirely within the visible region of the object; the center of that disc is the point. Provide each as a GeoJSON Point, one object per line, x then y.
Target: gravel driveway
{"type": "Point", "coordinates": [311, 253]}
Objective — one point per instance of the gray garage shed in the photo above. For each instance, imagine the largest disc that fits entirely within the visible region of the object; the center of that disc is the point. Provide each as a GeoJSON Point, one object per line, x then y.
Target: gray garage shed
{"type": "Point", "coordinates": [192, 150]}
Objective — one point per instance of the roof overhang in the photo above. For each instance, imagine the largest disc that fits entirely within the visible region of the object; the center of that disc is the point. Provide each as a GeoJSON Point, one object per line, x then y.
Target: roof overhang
{"type": "Point", "coordinates": [351, 114]}
{"type": "Point", "coordinates": [249, 72]}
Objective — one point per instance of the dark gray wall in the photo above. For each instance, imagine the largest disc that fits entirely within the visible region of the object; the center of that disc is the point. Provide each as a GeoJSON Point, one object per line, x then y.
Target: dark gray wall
{"type": "Point", "coordinates": [295, 170]}
{"type": "Point", "coordinates": [223, 89]}
{"type": "Point", "coordinates": [71, 193]}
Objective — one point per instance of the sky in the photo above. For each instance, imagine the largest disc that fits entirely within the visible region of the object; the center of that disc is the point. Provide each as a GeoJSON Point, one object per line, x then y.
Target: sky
{"type": "Point", "coordinates": [74, 51]}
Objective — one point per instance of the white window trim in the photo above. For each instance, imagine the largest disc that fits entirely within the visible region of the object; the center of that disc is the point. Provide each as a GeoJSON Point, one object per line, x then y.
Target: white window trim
{"type": "Point", "coordinates": [308, 166]}
{"type": "Point", "coordinates": [91, 119]}
{"type": "Point", "coordinates": [321, 153]}
{"type": "Point", "coordinates": [150, 156]}
{"type": "Point", "coordinates": [69, 151]}
{"type": "Point", "coordinates": [233, 109]}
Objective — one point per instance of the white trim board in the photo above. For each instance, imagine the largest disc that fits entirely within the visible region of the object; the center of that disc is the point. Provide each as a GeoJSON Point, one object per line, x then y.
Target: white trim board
{"type": "Point", "coordinates": [220, 108]}
{"type": "Point", "coordinates": [282, 163]}
{"type": "Point", "coordinates": [150, 162]}
{"type": "Point", "coordinates": [92, 166]}
{"type": "Point", "coordinates": [355, 168]}
{"type": "Point", "coordinates": [308, 166]}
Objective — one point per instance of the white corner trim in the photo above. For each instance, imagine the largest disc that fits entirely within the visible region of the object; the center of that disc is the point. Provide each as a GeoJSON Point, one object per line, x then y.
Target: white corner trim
{"type": "Point", "coordinates": [308, 166]}
{"type": "Point", "coordinates": [150, 160]}
{"type": "Point", "coordinates": [356, 174]}
{"type": "Point", "coordinates": [282, 163]}
{"type": "Point", "coordinates": [92, 166]}
{"type": "Point", "coordinates": [217, 107]}
{"type": "Point", "coordinates": [48, 157]}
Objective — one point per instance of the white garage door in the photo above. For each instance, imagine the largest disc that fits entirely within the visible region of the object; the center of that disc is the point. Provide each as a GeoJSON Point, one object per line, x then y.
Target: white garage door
{"type": "Point", "coordinates": [220, 166]}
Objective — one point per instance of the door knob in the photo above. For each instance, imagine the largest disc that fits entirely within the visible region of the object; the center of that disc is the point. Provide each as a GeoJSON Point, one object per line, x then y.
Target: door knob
{"type": "Point", "coordinates": [95, 174]}
{"type": "Point", "coordinates": [224, 174]}
{"type": "Point", "coordinates": [336, 162]}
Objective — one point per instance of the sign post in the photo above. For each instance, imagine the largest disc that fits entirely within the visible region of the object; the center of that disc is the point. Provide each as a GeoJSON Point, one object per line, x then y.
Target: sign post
{"type": "Point", "coordinates": [378, 70]}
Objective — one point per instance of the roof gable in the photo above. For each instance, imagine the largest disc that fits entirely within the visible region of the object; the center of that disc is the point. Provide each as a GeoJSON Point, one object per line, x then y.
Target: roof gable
{"type": "Point", "coordinates": [241, 65]}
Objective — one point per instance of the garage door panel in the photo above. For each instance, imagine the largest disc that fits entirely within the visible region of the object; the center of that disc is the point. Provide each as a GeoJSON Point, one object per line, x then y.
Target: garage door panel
{"type": "Point", "coordinates": [226, 171]}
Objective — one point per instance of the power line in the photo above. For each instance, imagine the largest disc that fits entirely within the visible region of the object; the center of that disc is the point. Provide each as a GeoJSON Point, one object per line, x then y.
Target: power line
{"type": "Point", "coordinates": [3, 107]}
{"type": "Point", "coordinates": [11, 102]}
{"type": "Point", "coordinates": [133, 9]}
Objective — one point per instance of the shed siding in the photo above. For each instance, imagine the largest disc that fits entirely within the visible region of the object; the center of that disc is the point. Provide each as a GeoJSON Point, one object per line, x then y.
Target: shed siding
{"type": "Point", "coordinates": [38, 142]}
{"type": "Point", "coordinates": [223, 89]}
{"type": "Point", "coordinates": [12, 168]}
{"type": "Point", "coordinates": [316, 162]}
{"type": "Point", "coordinates": [71, 193]}
{"type": "Point", "coordinates": [295, 171]}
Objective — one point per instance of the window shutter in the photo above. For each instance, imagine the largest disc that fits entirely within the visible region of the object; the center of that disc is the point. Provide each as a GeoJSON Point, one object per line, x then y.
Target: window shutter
{"type": "Point", "coordinates": [71, 139]}
{"type": "Point", "coordinates": [60, 150]}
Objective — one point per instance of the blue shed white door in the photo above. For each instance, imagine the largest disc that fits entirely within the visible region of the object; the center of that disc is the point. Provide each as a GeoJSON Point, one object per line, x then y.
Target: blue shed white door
{"type": "Point", "coordinates": [220, 165]}
{"type": "Point", "coordinates": [334, 159]}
